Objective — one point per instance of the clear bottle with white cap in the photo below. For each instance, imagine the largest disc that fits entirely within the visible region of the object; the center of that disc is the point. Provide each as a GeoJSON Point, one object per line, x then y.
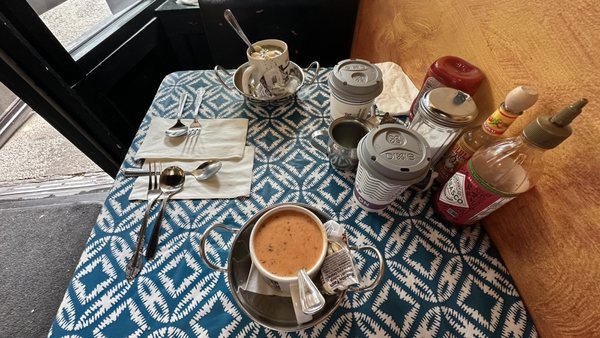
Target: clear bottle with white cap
{"type": "Point", "coordinates": [516, 101]}
{"type": "Point", "coordinates": [500, 172]}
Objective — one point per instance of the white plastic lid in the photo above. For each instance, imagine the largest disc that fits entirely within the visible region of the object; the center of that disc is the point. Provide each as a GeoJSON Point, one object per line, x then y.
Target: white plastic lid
{"type": "Point", "coordinates": [356, 80]}
{"type": "Point", "coordinates": [394, 152]}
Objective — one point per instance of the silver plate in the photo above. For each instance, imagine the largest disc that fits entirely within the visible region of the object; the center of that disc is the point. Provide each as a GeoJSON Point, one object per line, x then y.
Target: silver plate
{"type": "Point", "coordinates": [270, 311]}
{"type": "Point", "coordinates": [276, 312]}
{"type": "Point", "coordinates": [236, 80]}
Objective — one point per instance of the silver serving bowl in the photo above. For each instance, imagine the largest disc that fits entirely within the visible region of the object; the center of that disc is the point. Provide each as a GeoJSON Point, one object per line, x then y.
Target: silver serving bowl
{"type": "Point", "coordinates": [274, 312]}
{"type": "Point", "coordinates": [236, 81]}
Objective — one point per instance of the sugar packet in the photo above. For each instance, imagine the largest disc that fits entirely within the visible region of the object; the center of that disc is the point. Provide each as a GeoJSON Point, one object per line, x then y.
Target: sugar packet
{"type": "Point", "coordinates": [338, 271]}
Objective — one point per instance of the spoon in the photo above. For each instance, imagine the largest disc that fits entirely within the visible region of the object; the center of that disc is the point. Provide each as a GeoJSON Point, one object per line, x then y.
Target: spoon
{"type": "Point", "coordinates": [204, 171]}
{"type": "Point", "coordinates": [238, 29]}
{"type": "Point", "coordinates": [311, 299]}
{"type": "Point", "coordinates": [178, 129]}
{"type": "Point", "coordinates": [171, 182]}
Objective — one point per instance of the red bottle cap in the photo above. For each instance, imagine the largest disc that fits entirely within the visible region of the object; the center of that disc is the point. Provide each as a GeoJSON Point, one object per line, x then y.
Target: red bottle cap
{"type": "Point", "coordinates": [457, 73]}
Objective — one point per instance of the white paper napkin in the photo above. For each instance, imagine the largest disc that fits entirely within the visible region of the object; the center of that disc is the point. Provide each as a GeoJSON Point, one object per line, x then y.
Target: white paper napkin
{"type": "Point", "coordinates": [257, 284]}
{"type": "Point", "coordinates": [398, 90]}
{"type": "Point", "coordinates": [219, 139]}
{"type": "Point", "coordinates": [233, 180]}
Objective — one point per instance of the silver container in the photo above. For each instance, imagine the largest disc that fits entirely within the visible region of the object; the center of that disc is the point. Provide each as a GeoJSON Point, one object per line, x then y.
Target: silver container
{"type": "Point", "coordinates": [236, 81]}
{"type": "Point", "coordinates": [343, 134]}
{"type": "Point", "coordinates": [274, 312]}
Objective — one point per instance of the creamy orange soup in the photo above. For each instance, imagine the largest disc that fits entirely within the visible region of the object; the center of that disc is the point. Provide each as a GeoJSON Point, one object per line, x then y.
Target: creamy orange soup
{"type": "Point", "coordinates": [288, 241]}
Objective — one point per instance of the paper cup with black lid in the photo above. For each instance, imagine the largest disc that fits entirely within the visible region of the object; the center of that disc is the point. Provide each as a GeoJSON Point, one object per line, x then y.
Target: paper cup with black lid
{"type": "Point", "coordinates": [391, 158]}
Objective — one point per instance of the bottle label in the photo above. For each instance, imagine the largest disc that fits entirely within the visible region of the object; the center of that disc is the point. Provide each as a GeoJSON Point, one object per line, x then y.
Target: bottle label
{"type": "Point", "coordinates": [454, 191]}
{"type": "Point", "coordinates": [466, 198]}
{"type": "Point", "coordinates": [454, 158]}
{"type": "Point", "coordinates": [429, 84]}
{"type": "Point", "coordinates": [498, 122]}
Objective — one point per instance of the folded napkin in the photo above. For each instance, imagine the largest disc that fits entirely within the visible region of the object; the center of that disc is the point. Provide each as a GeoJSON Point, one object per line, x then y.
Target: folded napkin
{"type": "Point", "coordinates": [233, 180]}
{"type": "Point", "coordinates": [256, 284]}
{"type": "Point", "coordinates": [219, 139]}
{"type": "Point", "coordinates": [398, 90]}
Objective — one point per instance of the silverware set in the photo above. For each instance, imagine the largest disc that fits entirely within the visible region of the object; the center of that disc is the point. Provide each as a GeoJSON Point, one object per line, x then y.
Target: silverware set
{"type": "Point", "coordinates": [154, 192]}
{"type": "Point", "coordinates": [171, 182]}
{"type": "Point", "coordinates": [179, 128]}
{"type": "Point", "coordinates": [203, 172]}
{"type": "Point", "coordinates": [166, 183]}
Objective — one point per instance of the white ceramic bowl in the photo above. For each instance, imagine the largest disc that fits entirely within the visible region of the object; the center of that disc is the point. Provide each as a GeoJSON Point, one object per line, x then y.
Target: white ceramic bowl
{"type": "Point", "coordinates": [279, 282]}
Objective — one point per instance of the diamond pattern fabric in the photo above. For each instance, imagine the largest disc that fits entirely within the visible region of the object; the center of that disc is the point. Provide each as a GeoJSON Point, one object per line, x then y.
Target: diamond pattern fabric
{"type": "Point", "coordinates": [439, 281]}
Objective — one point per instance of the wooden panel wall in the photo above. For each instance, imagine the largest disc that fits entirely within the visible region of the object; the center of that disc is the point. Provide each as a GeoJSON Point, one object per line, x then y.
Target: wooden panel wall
{"type": "Point", "coordinates": [550, 236]}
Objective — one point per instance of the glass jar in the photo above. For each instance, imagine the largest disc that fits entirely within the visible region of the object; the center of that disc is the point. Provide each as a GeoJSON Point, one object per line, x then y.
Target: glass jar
{"type": "Point", "coordinates": [449, 71]}
{"type": "Point", "coordinates": [443, 113]}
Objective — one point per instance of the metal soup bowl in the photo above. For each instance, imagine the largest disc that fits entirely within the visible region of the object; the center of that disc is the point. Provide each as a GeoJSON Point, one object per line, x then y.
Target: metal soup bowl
{"type": "Point", "coordinates": [236, 80]}
{"type": "Point", "coordinates": [273, 312]}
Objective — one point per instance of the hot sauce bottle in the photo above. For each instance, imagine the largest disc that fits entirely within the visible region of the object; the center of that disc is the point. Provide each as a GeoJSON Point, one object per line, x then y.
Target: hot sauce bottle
{"type": "Point", "coordinates": [516, 101]}
{"type": "Point", "coordinates": [449, 71]}
{"type": "Point", "coordinates": [500, 172]}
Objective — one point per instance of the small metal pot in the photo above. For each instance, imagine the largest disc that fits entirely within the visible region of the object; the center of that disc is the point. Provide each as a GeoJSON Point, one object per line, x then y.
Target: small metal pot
{"type": "Point", "coordinates": [274, 312]}
{"type": "Point", "coordinates": [236, 79]}
{"type": "Point", "coordinates": [344, 134]}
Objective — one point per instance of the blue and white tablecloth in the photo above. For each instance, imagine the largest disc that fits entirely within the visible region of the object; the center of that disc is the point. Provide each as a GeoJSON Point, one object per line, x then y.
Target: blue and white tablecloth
{"type": "Point", "coordinates": [439, 281]}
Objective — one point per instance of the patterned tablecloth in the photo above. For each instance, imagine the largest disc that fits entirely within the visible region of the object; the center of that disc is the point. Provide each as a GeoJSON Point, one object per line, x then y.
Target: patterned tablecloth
{"type": "Point", "coordinates": [439, 281]}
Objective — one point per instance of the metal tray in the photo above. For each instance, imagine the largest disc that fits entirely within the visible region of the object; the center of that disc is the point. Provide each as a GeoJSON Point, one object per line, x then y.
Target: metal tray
{"type": "Point", "coordinates": [273, 312]}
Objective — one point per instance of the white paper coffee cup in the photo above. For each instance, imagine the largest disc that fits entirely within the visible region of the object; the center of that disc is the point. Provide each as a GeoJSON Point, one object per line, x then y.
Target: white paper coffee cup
{"type": "Point", "coordinates": [391, 158]}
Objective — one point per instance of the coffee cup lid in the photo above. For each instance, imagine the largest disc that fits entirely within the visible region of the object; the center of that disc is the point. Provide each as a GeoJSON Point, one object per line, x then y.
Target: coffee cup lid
{"type": "Point", "coordinates": [356, 80]}
{"type": "Point", "coordinates": [395, 153]}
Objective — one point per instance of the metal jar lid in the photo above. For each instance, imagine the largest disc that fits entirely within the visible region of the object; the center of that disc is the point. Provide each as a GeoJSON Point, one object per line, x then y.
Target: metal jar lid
{"type": "Point", "coordinates": [356, 80]}
{"type": "Point", "coordinates": [395, 153]}
{"type": "Point", "coordinates": [448, 107]}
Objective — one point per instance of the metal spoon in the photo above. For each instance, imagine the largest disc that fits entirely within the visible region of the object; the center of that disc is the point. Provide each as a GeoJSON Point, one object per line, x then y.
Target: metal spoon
{"type": "Point", "coordinates": [178, 129]}
{"type": "Point", "coordinates": [238, 29]}
{"type": "Point", "coordinates": [171, 182]}
{"type": "Point", "coordinates": [310, 298]}
{"type": "Point", "coordinates": [204, 171]}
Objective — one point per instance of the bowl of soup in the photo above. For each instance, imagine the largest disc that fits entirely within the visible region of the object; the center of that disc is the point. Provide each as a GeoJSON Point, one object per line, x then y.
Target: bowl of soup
{"type": "Point", "coordinates": [283, 241]}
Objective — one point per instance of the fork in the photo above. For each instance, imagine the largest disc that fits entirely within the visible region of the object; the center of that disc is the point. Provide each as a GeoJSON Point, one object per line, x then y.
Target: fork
{"type": "Point", "coordinates": [195, 126]}
{"type": "Point", "coordinates": [135, 263]}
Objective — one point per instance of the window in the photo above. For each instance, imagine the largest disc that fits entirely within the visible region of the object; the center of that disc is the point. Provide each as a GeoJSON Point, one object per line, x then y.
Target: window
{"type": "Point", "coordinates": [77, 22]}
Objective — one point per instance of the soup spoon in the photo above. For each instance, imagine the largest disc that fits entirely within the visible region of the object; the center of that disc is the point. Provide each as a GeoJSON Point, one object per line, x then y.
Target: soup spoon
{"type": "Point", "coordinates": [171, 182]}
{"type": "Point", "coordinates": [203, 172]}
{"type": "Point", "coordinates": [228, 14]}
{"type": "Point", "coordinates": [311, 299]}
{"type": "Point", "coordinates": [178, 129]}
{"type": "Point", "coordinates": [206, 170]}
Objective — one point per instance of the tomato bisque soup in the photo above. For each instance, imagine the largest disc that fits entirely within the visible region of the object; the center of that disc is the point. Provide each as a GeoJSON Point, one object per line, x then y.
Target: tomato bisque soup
{"type": "Point", "coordinates": [288, 241]}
